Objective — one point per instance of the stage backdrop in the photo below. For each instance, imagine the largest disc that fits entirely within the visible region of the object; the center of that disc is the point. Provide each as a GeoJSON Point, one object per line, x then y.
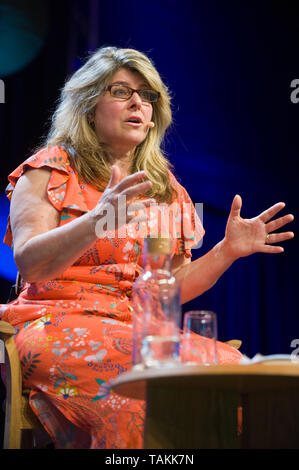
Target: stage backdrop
{"type": "Point", "coordinates": [229, 66]}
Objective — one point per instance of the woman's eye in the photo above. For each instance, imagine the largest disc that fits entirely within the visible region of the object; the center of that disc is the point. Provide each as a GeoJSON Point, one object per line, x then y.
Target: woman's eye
{"type": "Point", "coordinates": [146, 95]}
{"type": "Point", "coordinates": [119, 92]}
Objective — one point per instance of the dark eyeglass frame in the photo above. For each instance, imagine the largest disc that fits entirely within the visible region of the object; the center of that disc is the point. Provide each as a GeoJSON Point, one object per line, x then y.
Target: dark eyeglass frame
{"type": "Point", "coordinates": [132, 90]}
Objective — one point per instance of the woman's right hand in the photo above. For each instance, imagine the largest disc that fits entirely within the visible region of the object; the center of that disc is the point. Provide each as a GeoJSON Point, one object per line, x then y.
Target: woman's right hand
{"type": "Point", "coordinates": [118, 201]}
{"type": "Point", "coordinates": [44, 249]}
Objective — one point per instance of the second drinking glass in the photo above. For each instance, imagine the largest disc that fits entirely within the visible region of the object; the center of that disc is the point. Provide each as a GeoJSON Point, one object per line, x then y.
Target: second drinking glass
{"type": "Point", "coordinates": [198, 344]}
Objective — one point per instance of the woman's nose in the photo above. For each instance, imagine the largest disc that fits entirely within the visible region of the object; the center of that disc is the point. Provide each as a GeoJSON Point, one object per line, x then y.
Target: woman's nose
{"type": "Point", "coordinates": [135, 100]}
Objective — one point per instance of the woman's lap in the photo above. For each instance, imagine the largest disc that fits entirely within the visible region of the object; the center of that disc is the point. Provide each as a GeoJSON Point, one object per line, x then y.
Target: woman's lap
{"type": "Point", "coordinates": [68, 365]}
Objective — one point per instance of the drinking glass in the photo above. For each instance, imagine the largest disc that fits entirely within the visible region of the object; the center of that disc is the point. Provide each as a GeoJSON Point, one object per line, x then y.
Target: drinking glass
{"type": "Point", "coordinates": [199, 340]}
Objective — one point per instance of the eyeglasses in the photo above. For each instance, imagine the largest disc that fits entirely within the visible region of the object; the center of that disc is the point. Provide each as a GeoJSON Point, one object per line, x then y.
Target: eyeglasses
{"type": "Point", "coordinates": [123, 92]}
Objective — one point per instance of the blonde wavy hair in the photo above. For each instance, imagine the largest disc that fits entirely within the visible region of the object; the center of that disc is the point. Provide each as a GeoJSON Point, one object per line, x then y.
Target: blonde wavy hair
{"type": "Point", "coordinates": [70, 127]}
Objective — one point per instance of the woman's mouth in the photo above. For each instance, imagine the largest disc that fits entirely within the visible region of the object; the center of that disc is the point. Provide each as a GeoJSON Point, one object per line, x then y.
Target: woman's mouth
{"type": "Point", "coordinates": [134, 123]}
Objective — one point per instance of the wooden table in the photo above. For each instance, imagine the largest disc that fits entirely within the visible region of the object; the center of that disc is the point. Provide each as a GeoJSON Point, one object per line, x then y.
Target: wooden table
{"type": "Point", "coordinates": [197, 407]}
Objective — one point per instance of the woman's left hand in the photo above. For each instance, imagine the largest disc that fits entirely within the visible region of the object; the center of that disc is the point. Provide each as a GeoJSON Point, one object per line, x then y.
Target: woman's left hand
{"type": "Point", "coordinates": [244, 237]}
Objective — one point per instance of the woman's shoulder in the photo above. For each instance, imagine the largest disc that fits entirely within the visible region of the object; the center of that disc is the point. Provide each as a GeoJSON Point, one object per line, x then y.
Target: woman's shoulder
{"type": "Point", "coordinates": [53, 156]}
{"type": "Point", "coordinates": [177, 186]}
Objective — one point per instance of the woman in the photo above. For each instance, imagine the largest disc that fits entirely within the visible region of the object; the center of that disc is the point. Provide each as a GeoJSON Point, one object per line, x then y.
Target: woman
{"type": "Point", "coordinates": [73, 315]}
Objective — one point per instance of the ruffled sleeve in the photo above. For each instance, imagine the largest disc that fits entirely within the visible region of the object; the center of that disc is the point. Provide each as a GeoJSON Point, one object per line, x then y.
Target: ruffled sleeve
{"type": "Point", "coordinates": [63, 189]}
{"type": "Point", "coordinates": [189, 229]}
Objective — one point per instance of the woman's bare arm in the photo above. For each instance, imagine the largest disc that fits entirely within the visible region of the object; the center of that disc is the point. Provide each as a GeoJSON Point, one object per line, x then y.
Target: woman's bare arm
{"type": "Point", "coordinates": [198, 276]}
{"type": "Point", "coordinates": [42, 249]}
{"type": "Point", "coordinates": [243, 237]}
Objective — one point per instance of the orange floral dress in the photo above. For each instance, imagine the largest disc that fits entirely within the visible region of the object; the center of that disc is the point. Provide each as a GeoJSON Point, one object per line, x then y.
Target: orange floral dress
{"type": "Point", "coordinates": [74, 333]}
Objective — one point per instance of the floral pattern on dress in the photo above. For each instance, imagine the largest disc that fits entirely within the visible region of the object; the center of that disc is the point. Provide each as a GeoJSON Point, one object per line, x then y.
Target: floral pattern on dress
{"type": "Point", "coordinates": [75, 331]}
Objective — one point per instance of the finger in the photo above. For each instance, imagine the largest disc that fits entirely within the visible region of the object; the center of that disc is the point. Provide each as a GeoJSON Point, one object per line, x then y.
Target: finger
{"type": "Point", "coordinates": [271, 249]}
{"type": "Point", "coordinates": [279, 237]}
{"type": "Point", "coordinates": [273, 210]}
{"type": "Point", "coordinates": [278, 223]}
{"type": "Point", "coordinates": [115, 176]}
{"type": "Point", "coordinates": [131, 180]}
{"type": "Point", "coordinates": [236, 206]}
{"type": "Point", "coordinates": [137, 190]}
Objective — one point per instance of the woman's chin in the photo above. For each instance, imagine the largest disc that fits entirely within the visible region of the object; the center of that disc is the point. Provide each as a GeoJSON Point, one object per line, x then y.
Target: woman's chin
{"type": "Point", "coordinates": [131, 142]}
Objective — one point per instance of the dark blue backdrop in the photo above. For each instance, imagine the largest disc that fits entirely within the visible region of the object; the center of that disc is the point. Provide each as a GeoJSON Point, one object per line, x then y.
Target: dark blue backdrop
{"type": "Point", "coordinates": [229, 66]}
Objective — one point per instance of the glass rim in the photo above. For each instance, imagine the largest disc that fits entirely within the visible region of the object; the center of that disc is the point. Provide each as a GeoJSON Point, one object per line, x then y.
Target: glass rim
{"type": "Point", "coordinates": [206, 316]}
{"type": "Point", "coordinates": [195, 313]}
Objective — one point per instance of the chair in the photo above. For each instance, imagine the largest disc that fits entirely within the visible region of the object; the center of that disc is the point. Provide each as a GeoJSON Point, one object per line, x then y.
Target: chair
{"type": "Point", "coordinates": [20, 420]}
{"type": "Point", "coordinates": [19, 417]}
{"type": "Point", "coordinates": [235, 343]}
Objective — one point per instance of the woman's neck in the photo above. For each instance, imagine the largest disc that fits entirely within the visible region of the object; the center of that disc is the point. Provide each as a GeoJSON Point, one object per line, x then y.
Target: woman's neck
{"type": "Point", "coordinates": [123, 161]}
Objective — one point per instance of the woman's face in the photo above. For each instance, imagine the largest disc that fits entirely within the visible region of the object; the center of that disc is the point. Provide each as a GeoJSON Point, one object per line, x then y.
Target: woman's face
{"type": "Point", "coordinates": [112, 114]}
